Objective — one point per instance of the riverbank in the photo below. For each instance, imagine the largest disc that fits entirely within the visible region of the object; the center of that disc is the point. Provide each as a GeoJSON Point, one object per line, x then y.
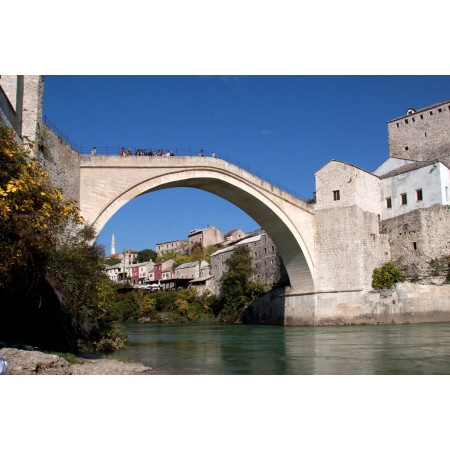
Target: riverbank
{"type": "Point", "coordinates": [23, 362]}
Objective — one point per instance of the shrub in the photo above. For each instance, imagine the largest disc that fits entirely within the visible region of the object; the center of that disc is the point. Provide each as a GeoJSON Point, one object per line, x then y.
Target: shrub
{"type": "Point", "coordinates": [386, 276]}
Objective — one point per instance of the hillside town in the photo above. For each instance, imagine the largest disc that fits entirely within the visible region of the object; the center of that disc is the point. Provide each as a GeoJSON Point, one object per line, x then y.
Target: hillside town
{"type": "Point", "coordinates": [200, 275]}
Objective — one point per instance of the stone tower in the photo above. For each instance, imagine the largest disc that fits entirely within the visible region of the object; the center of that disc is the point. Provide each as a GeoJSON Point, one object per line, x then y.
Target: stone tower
{"type": "Point", "coordinates": [421, 135]}
{"type": "Point", "coordinates": [21, 98]}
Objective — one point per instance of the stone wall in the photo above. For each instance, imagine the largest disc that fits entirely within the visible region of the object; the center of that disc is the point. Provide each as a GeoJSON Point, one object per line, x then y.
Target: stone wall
{"type": "Point", "coordinates": [61, 161]}
{"type": "Point", "coordinates": [355, 187]}
{"type": "Point", "coordinates": [11, 90]}
{"type": "Point", "coordinates": [348, 248]}
{"type": "Point", "coordinates": [405, 303]}
{"type": "Point", "coordinates": [423, 135]}
{"type": "Point", "coordinates": [417, 237]}
{"type": "Point", "coordinates": [33, 97]}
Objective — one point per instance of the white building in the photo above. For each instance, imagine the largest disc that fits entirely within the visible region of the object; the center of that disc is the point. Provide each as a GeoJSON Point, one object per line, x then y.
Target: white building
{"type": "Point", "coordinates": [411, 186]}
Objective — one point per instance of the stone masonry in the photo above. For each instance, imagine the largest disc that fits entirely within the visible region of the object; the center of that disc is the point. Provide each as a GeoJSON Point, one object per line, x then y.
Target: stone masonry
{"type": "Point", "coordinates": [421, 135]}
{"type": "Point", "coordinates": [418, 237]}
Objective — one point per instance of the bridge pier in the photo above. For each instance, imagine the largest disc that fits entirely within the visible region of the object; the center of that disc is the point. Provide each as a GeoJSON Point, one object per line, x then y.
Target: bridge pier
{"type": "Point", "coordinates": [405, 303]}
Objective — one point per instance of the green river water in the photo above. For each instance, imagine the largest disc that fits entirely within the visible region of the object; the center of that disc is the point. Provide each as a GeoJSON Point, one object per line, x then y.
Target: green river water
{"type": "Point", "coordinates": [275, 350]}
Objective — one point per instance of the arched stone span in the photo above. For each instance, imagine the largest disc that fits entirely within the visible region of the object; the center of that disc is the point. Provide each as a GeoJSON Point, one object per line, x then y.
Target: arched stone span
{"type": "Point", "coordinates": [107, 183]}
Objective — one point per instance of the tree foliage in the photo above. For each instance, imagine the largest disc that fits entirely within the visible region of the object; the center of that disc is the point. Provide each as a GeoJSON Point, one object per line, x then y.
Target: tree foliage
{"type": "Point", "coordinates": [42, 244]}
{"type": "Point", "coordinates": [386, 276]}
{"type": "Point", "coordinates": [112, 261]}
{"type": "Point", "coordinates": [237, 290]}
{"type": "Point", "coordinates": [32, 212]}
{"type": "Point", "coordinates": [146, 255]}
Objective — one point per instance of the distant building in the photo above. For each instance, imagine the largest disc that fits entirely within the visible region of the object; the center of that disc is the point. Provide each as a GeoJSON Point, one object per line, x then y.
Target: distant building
{"type": "Point", "coordinates": [127, 255]}
{"type": "Point", "coordinates": [267, 264]}
{"type": "Point", "coordinates": [205, 237]}
{"type": "Point", "coordinates": [177, 246]}
{"type": "Point", "coordinates": [205, 280]}
{"type": "Point", "coordinates": [161, 273]}
{"type": "Point", "coordinates": [234, 235]}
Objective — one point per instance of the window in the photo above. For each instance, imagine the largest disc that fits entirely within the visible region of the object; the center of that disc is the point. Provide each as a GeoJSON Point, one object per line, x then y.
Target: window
{"type": "Point", "coordinates": [406, 121]}
{"type": "Point", "coordinates": [406, 148]}
{"type": "Point", "coordinates": [431, 113]}
{"type": "Point", "coordinates": [397, 124]}
{"type": "Point", "coordinates": [421, 116]}
{"type": "Point", "coordinates": [336, 195]}
{"type": "Point", "coordinates": [419, 195]}
{"type": "Point", "coordinates": [404, 199]}
{"type": "Point", "coordinates": [389, 202]}
{"type": "Point", "coordinates": [415, 245]}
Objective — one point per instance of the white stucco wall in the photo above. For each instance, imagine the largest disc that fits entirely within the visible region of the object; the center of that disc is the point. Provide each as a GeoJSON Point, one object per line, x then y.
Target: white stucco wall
{"type": "Point", "coordinates": [432, 179]}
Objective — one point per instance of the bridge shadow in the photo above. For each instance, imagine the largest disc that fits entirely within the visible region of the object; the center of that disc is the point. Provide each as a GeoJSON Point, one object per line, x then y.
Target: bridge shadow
{"type": "Point", "coordinates": [268, 308]}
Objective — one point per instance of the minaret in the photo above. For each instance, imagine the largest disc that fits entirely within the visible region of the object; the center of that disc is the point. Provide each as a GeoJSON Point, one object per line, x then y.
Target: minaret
{"type": "Point", "coordinates": [113, 245]}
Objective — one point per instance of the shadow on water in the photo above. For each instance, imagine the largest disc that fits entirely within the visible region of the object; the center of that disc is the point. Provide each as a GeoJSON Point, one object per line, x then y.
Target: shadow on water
{"type": "Point", "coordinates": [276, 350]}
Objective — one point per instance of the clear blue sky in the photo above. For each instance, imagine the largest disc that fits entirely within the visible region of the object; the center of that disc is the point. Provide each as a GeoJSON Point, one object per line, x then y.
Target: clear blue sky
{"type": "Point", "coordinates": [283, 128]}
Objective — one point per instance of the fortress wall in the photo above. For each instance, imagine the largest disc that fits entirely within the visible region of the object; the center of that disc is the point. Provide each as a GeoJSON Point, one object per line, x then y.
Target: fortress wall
{"type": "Point", "coordinates": [428, 229]}
{"type": "Point", "coordinates": [61, 161]}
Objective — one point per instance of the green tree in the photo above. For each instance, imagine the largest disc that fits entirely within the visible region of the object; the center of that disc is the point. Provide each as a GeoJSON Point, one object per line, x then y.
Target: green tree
{"type": "Point", "coordinates": [146, 255]}
{"type": "Point", "coordinates": [237, 290]}
{"type": "Point", "coordinates": [32, 212]}
{"type": "Point", "coordinates": [112, 261]}
{"type": "Point", "coordinates": [51, 279]}
{"type": "Point", "coordinates": [75, 270]}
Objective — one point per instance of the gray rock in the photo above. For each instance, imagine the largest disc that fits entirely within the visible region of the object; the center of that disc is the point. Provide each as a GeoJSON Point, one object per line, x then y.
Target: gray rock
{"type": "Point", "coordinates": [22, 362]}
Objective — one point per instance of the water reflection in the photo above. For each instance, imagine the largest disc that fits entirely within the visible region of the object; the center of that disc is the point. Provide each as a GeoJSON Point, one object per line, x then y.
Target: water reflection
{"type": "Point", "coordinates": [253, 349]}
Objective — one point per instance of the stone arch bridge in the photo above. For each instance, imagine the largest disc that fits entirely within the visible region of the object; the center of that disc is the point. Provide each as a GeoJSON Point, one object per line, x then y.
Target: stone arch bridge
{"type": "Point", "coordinates": [109, 182]}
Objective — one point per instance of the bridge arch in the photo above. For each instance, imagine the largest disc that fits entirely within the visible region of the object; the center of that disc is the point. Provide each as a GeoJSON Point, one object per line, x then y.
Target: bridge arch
{"type": "Point", "coordinates": [260, 200]}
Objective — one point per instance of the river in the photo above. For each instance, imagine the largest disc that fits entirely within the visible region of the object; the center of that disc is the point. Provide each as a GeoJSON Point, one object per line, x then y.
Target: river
{"type": "Point", "coordinates": [274, 350]}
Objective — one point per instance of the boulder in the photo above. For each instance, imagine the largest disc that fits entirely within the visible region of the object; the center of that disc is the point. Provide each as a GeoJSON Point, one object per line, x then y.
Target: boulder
{"type": "Point", "coordinates": [23, 362]}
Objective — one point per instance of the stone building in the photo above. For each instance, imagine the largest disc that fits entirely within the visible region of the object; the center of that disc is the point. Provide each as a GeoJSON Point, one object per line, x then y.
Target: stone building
{"type": "Point", "coordinates": [234, 235]}
{"type": "Point", "coordinates": [399, 212]}
{"type": "Point", "coordinates": [414, 195]}
{"type": "Point", "coordinates": [177, 246]}
{"type": "Point", "coordinates": [205, 237]}
{"type": "Point", "coordinates": [421, 135]}
{"type": "Point", "coordinates": [190, 270]}
{"type": "Point", "coordinates": [348, 243]}
{"type": "Point", "coordinates": [267, 263]}
{"type": "Point", "coordinates": [205, 280]}
{"type": "Point", "coordinates": [127, 256]}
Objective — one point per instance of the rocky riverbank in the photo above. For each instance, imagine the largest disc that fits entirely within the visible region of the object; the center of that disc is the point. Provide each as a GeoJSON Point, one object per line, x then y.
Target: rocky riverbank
{"type": "Point", "coordinates": [22, 362]}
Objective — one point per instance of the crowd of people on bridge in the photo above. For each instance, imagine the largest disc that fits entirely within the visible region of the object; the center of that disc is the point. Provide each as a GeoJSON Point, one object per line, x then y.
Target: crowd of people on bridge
{"type": "Point", "coordinates": [144, 152]}
{"type": "Point", "coordinates": [150, 152]}
{"type": "Point", "coordinates": [160, 152]}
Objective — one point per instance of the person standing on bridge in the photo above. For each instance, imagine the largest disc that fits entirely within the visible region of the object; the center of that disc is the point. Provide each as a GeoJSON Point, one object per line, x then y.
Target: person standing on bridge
{"type": "Point", "coordinates": [93, 151]}
{"type": "Point", "coordinates": [201, 153]}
